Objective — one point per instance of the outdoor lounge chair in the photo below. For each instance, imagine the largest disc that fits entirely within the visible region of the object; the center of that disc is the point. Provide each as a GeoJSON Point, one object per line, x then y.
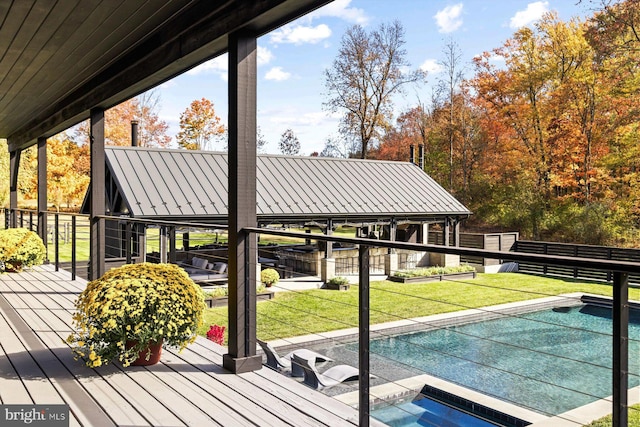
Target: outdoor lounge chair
{"type": "Point", "coordinates": [274, 361]}
{"type": "Point", "coordinates": [329, 378]}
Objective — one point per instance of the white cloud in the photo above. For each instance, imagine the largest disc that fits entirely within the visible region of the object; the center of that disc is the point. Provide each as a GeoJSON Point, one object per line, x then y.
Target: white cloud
{"type": "Point", "coordinates": [299, 34]}
{"type": "Point", "coordinates": [264, 55]}
{"type": "Point", "coordinates": [218, 66]}
{"type": "Point", "coordinates": [448, 19]}
{"type": "Point", "coordinates": [277, 74]}
{"type": "Point", "coordinates": [340, 9]}
{"type": "Point", "coordinates": [431, 66]}
{"type": "Point", "coordinates": [532, 13]}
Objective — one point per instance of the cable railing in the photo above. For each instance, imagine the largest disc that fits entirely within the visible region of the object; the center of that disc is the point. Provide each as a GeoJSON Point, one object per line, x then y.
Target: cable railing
{"type": "Point", "coordinates": [374, 326]}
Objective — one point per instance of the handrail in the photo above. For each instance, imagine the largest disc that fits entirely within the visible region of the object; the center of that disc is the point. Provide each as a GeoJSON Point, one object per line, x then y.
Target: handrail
{"type": "Point", "coordinates": [613, 265]}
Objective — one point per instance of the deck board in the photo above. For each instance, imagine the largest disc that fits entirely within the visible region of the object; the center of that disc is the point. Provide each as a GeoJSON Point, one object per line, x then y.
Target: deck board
{"type": "Point", "coordinates": [185, 388]}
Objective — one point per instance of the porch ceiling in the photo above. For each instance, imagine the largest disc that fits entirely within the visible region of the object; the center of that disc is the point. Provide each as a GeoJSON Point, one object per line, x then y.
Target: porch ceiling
{"type": "Point", "coordinates": [58, 60]}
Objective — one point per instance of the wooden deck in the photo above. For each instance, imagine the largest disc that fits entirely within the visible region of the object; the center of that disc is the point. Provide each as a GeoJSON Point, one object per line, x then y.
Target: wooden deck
{"type": "Point", "coordinates": [188, 388]}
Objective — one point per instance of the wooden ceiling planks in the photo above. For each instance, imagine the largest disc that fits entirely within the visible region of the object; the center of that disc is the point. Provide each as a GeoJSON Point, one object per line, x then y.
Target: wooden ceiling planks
{"type": "Point", "coordinates": [58, 60]}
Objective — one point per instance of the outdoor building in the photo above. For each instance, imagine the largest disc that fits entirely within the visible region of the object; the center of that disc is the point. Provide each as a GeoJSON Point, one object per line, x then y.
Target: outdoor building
{"type": "Point", "coordinates": [380, 199]}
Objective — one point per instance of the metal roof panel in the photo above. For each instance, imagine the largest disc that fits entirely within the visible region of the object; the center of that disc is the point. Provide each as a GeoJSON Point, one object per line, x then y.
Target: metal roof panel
{"type": "Point", "coordinates": [174, 183]}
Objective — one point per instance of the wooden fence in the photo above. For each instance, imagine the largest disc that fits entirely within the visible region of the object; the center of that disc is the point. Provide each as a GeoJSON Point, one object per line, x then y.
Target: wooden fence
{"type": "Point", "coordinates": [572, 250]}
{"type": "Point", "coordinates": [489, 241]}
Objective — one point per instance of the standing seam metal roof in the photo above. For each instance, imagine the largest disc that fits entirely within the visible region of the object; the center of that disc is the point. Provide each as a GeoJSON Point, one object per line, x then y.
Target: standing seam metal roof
{"type": "Point", "coordinates": [180, 183]}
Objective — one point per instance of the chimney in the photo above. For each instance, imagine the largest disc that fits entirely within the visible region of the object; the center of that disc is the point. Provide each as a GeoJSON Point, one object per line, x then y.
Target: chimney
{"type": "Point", "coordinates": [134, 133]}
{"type": "Point", "coordinates": [412, 154]}
{"type": "Point", "coordinates": [421, 156]}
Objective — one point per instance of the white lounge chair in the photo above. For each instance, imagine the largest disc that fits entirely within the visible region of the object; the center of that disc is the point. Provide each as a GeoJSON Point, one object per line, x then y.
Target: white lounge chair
{"type": "Point", "coordinates": [274, 361]}
{"type": "Point", "coordinates": [329, 378]}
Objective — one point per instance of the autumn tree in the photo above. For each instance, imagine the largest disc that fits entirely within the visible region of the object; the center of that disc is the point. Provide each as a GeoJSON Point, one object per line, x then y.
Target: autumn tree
{"type": "Point", "coordinates": [289, 143]}
{"type": "Point", "coordinates": [448, 86]}
{"type": "Point", "coordinates": [337, 146]}
{"type": "Point", "coordinates": [4, 170]}
{"type": "Point", "coordinates": [199, 126]}
{"type": "Point", "coordinates": [261, 141]}
{"type": "Point", "coordinates": [367, 72]}
{"type": "Point", "coordinates": [152, 132]}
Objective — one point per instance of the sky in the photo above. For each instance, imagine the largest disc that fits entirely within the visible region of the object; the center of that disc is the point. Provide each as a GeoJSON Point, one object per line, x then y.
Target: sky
{"type": "Point", "coordinates": [293, 58]}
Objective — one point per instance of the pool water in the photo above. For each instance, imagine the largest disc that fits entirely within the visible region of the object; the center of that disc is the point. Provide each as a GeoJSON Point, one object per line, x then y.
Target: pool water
{"type": "Point", "coordinates": [549, 361]}
{"type": "Point", "coordinates": [427, 412]}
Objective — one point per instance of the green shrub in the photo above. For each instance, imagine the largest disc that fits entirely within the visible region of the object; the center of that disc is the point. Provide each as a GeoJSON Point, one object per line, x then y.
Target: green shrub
{"type": "Point", "coordinates": [338, 281]}
{"type": "Point", "coordinates": [269, 277]}
{"type": "Point", "coordinates": [434, 271]}
{"type": "Point", "coordinates": [20, 248]}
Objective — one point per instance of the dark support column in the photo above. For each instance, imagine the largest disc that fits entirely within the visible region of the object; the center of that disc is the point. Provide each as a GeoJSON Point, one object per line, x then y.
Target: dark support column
{"type": "Point", "coordinates": [127, 241]}
{"type": "Point", "coordinates": [73, 247]}
{"type": "Point", "coordinates": [162, 244]}
{"type": "Point", "coordinates": [134, 133]}
{"type": "Point", "coordinates": [363, 334]}
{"type": "Point", "coordinates": [307, 241]}
{"type": "Point", "coordinates": [97, 233]}
{"type": "Point", "coordinates": [393, 228]}
{"type": "Point", "coordinates": [328, 253]}
{"type": "Point", "coordinates": [42, 189]}
{"type": "Point", "coordinates": [620, 349]}
{"type": "Point", "coordinates": [445, 232]}
{"type": "Point", "coordinates": [172, 245]}
{"type": "Point", "coordinates": [185, 241]}
{"type": "Point", "coordinates": [14, 166]}
{"type": "Point", "coordinates": [456, 233]}
{"type": "Point", "coordinates": [242, 205]}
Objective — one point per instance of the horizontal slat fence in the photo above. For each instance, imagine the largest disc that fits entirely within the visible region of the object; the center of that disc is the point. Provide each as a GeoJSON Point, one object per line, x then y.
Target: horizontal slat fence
{"type": "Point", "coordinates": [582, 251]}
{"type": "Point", "coordinates": [489, 241]}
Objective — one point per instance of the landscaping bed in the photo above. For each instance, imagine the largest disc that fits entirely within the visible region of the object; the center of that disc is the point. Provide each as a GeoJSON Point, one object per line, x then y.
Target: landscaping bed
{"type": "Point", "coordinates": [433, 274]}
{"type": "Point", "coordinates": [220, 297]}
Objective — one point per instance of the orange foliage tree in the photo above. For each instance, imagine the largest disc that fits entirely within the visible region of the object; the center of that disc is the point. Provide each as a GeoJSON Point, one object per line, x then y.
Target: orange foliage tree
{"type": "Point", "coordinates": [199, 126]}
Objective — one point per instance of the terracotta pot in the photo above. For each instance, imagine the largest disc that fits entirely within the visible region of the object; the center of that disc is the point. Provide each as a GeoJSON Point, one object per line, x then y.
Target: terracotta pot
{"type": "Point", "coordinates": [156, 352]}
{"type": "Point", "coordinates": [13, 267]}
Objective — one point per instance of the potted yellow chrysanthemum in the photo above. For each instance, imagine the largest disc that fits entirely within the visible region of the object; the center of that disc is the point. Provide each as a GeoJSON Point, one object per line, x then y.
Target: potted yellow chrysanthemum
{"type": "Point", "coordinates": [20, 248]}
{"type": "Point", "coordinates": [131, 311]}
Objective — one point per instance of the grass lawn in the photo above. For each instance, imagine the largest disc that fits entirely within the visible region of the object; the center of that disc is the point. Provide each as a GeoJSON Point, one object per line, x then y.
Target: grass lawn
{"type": "Point", "coordinates": [299, 313]}
{"type": "Point", "coordinates": [634, 419]}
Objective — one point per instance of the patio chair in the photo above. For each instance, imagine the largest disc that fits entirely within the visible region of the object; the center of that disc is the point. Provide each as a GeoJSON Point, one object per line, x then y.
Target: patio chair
{"type": "Point", "coordinates": [329, 378]}
{"type": "Point", "coordinates": [274, 361]}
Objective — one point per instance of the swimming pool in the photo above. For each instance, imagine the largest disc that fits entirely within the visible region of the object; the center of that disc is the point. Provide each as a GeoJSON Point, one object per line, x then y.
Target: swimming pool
{"type": "Point", "coordinates": [548, 361]}
{"type": "Point", "coordinates": [426, 412]}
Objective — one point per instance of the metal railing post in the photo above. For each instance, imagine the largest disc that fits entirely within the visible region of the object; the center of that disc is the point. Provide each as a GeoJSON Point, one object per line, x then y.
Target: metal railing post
{"type": "Point", "coordinates": [620, 349]}
{"type": "Point", "coordinates": [73, 247]}
{"type": "Point", "coordinates": [127, 237]}
{"type": "Point", "coordinates": [363, 334]}
{"type": "Point", "coordinates": [30, 221]}
{"type": "Point", "coordinates": [56, 242]}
